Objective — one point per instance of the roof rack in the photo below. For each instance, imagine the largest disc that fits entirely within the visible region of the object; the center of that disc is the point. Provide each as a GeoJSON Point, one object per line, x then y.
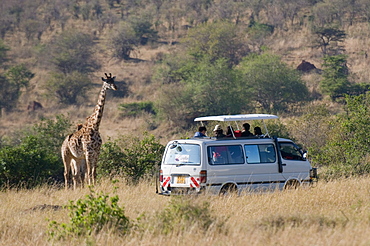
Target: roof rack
{"type": "Point", "coordinates": [237, 117]}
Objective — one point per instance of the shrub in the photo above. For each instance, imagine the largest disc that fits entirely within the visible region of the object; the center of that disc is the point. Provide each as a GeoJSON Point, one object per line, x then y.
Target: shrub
{"type": "Point", "coordinates": [32, 157]}
{"type": "Point", "coordinates": [67, 89]}
{"type": "Point", "coordinates": [133, 157]}
{"type": "Point", "coordinates": [216, 41]}
{"type": "Point", "coordinates": [3, 52]}
{"type": "Point", "coordinates": [27, 164]}
{"type": "Point", "coordinates": [134, 109]}
{"type": "Point", "coordinates": [271, 84]}
{"type": "Point", "coordinates": [124, 41]}
{"type": "Point", "coordinates": [335, 76]}
{"type": "Point", "coordinates": [258, 32]}
{"type": "Point", "coordinates": [91, 215]}
{"type": "Point", "coordinates": [276, 128]}
{"type": "Point", "coordinates": [143, 29]}
{"type": "Point", "coordinates": [346, 152]}
{"type": "Point", "coordinates": [16, 78]}
{"type": "Point", "coordinates": [201, 82]}
{"type": "Point", "coordinates": [110, 160]}
{"type": "Point", "coordinates": [72, 51]}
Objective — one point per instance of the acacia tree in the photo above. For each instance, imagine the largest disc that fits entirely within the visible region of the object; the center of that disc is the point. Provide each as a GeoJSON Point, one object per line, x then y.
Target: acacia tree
{"type": "Point", "coordinates": [72, 51]}
{"type": "Point", "coordinates": [16, 78]}
{"type": "Point", "coordinates": [271, 83]}
{"type": "Point", "coordinates": [69, 88]}
{"type": "Point", "coordinates": [124, 41]}
{"type": "Point", "coordinates": [143, 29]}
{"type": "Point", "coordinates": [71, 57]}
{"type": "Point", "coordinates": [206, 88]}
{"type": "Point", "coordinates": [216, 89]}
{"type": "Point", "coordinates": [329, 39]}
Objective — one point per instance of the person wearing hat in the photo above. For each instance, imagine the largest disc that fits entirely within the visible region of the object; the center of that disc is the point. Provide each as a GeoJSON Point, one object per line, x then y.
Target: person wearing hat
{"type": "Point", "coordinates": [219, 133]}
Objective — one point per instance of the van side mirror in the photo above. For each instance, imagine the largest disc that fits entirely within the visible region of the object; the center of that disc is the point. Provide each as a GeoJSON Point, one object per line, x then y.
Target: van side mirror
{"type": "Point", "coordinates": [304, 155]}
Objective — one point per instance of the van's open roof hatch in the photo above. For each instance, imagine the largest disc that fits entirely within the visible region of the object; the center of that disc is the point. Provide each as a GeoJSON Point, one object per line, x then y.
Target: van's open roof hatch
{"type": "Point", "coordinates": [239, 117]}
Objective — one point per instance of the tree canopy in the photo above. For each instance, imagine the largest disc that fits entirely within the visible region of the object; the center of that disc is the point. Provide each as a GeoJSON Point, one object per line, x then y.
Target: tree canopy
{"type": "Point", "coordinates": [217, 40]}
{"type": "Point", "coordinates": [335, 76]}
{"type": "Point", "coordinates": [271, 83]}
{"type": "Point", "coordinates": [206, 88]}
{"type": "Point", "coordinates": [72, 51]}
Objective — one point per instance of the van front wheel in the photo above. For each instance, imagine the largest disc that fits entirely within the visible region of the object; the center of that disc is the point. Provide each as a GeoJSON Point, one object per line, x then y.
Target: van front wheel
{"type": "Point", "coordinates": [229, 189]}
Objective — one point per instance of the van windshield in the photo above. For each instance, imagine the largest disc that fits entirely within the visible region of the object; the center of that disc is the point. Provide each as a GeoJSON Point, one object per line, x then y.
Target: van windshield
{"type": "Point", "coordinates": [184, 154]}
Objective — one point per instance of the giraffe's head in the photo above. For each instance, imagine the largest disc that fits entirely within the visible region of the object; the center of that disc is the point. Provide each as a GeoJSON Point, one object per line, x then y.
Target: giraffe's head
{"type": "Point", "coordinates": [109, 82]}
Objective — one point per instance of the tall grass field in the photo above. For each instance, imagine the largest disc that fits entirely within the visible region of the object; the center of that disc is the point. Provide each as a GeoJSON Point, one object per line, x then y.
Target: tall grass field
{"type": "Point", "coordinates": [331, 213]}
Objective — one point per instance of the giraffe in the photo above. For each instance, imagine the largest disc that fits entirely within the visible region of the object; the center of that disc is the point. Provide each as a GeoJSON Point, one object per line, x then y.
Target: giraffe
{"type": "Point", "coordinates": [80, 150]}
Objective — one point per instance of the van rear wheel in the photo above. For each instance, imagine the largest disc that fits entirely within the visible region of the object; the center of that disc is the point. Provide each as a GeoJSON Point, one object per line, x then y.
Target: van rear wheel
{"type": "Point", "coordinates": [292, 185]}
{"type": "Point", "coordinates": [229, 189]}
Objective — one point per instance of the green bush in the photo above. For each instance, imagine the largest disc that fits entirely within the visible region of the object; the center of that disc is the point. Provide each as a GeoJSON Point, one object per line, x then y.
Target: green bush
{"type": "Point", "coordinates": [335, 76]}
{"type": "Point", "coordinates": [275, 128]}
{"type": "Point", "coordinates": [200, 83]}
{"type": "Point", "coordinates": [217, 40]}
{"type": "Point", "coordinates": [132, 157]}
{"type": "Point", "coordinates": [110, 160]}
{"type": "Point", "coordinates": [32, 157]}
{"type": "Point", "coordinates": [3, 52]}
{"type": "Point", "coordinates": [67, 88]}
{"type": "Point", "coordinates": [143, 29]}
{"type": "Point", "coordinates": [272, 85]}
{"type": "Point", "coordinates": [135, 109]}
{"type": "Point", "coordinates": [257, 31]}
{"type": "Point", "coordinates": [346, 152]}
{"type": "Point", "coordinates": [124, 41]}
{"type": "Point", "coordinates": [91, 215]}
{"type": "Point", "coordinates": [70, 51]}
{"type": "Point", "coordinates": [16, 78]}
{"type": "Point", "coordinates": [27, 164]}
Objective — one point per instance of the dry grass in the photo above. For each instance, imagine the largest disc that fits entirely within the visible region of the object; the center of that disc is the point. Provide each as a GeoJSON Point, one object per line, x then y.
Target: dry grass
{"type": "Point", "coordinates": [335, 213]}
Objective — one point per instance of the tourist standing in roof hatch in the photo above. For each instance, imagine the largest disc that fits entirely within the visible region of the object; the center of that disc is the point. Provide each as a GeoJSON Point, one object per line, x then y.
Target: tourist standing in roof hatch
{"type": "Point", "coordinates": [246, 132]}
{"type": "Point", "coordinates": [201, 132]}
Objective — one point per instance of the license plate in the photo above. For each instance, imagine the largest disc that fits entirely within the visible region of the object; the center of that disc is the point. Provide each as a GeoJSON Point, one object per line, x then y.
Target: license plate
{"type": "Point", "coordinates": [181, 179]}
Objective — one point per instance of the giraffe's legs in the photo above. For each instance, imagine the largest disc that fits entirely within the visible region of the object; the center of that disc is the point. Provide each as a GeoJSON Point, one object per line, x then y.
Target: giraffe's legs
{"type": "Point", "coordinates": [88, 170]}
{"type": "Point", "coordinates": [93, 164]}
{"type": "Point", "coordinates": [83, 171]}
{"type": "Point", "coordinates": [66, 156]}
{"type": "Point", "coordinates": [76, 172]}
{"type": "Point", "coordinates": [91, 161]}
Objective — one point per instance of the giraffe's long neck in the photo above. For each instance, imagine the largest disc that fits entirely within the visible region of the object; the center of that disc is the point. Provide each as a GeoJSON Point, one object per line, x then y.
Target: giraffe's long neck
{"type": "Point", "coordinates": [95, 118]}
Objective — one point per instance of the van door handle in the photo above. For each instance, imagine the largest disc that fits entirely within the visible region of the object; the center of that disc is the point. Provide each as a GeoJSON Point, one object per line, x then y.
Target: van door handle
{"type": "Point", "coordinates": [284, 164]}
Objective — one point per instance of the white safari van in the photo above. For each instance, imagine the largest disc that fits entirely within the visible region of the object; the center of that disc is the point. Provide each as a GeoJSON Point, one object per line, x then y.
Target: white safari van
{"type": "Point", "coordinates": [233, 164]}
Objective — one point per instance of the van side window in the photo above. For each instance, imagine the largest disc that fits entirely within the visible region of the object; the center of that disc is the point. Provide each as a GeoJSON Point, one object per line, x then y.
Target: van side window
{"type": "Point", "coordinates": [225, 154]}
{"type": "Point", "coordinates": [289, 151]}
{"type": "Point", "coordinates": [260, 153]}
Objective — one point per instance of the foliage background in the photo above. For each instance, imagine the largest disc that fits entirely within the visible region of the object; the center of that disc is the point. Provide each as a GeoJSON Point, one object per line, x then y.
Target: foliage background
{"type": "Point", "coordinates": [184, 59]}
{"type": "Point", "coordinates": [177, 60]}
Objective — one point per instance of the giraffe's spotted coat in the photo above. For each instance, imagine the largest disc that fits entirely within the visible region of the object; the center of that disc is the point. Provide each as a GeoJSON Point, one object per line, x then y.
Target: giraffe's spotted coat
{"type": "Point", "coordinates": [80, 150]}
